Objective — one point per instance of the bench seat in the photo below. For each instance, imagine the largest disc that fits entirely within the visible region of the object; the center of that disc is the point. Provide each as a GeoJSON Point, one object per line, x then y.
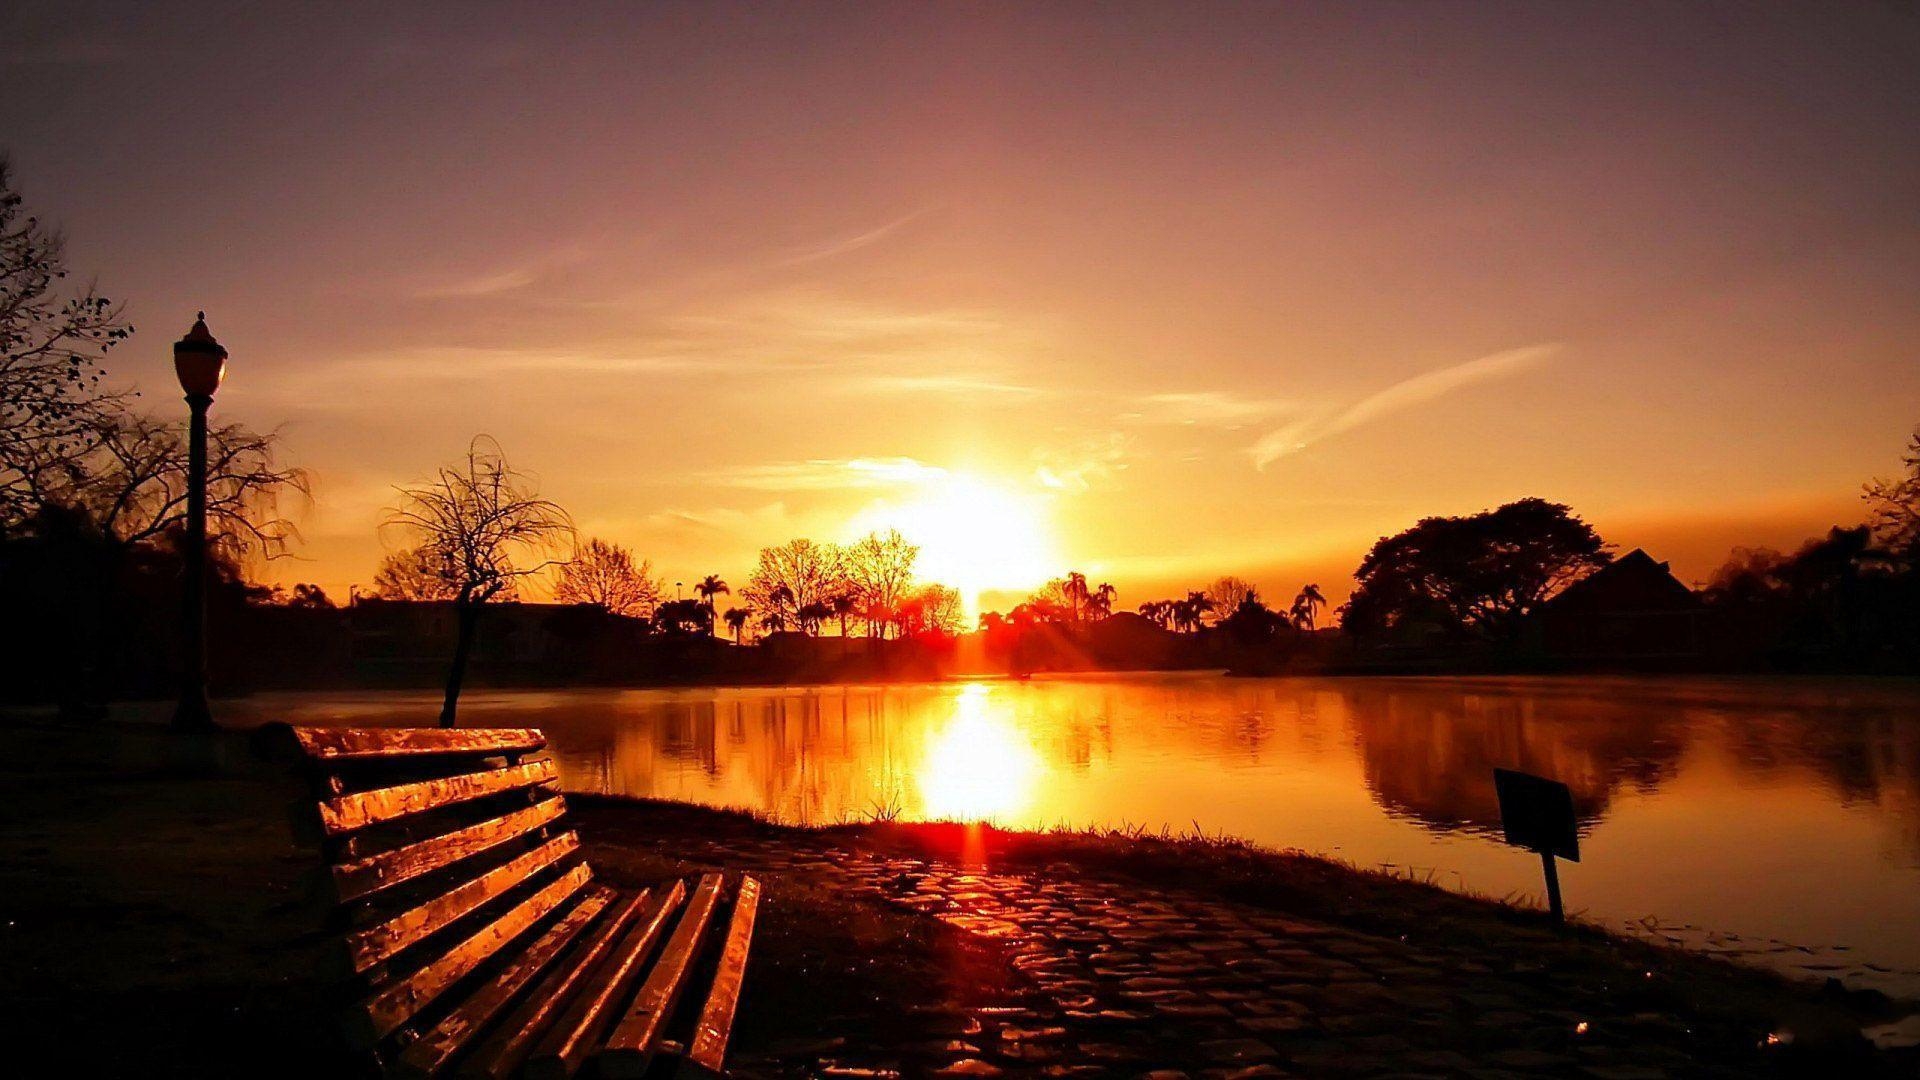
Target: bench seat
{"type": "Point", "coordinates": [473, 938]}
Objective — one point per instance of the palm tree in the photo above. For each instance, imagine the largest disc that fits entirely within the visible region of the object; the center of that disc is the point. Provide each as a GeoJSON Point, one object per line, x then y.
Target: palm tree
{"type": "Point", "coordinates": [709, 589]}
{"type": "Point", "coordinates": [1197, 606]}
{"type": "Point", "coordinates": [737, 621]}
{"type": "Point", "coordinates": [1181, 615]}
{"type": "Point", "coordinates": [1076, 591]}
{"type": "Point", "coordinates": [1101, 601]}
{"type": "Point", "coordinates": [843, 605]}
{"type": "Point", "coordinates": [1306, 605]}
{"type": "Point", "coordinates": [811, 616]}
{"type": "Point", "coordinates": [1158, 612]}
{"type": "Point", "coordinates": [773, 621]}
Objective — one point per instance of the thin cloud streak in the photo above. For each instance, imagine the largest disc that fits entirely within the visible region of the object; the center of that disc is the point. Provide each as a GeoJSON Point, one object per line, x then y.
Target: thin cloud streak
{"type": "Point", "coordinates": [1397, 398]}
{"type": "Point", "coordinates": [955, 385]}
{"type": "Point", "coordinates": [1203, 407]}
{"type": "Point", "coordinates": [855, 242]}
{"type": "Point", "coordinates": [823, 474]}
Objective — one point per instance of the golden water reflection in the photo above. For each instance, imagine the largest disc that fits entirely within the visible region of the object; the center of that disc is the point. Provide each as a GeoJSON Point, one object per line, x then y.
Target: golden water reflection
{"type": "Point", "coordinates": [1776, 808]}
{"type": "Point", "coordinates": [978, 765]}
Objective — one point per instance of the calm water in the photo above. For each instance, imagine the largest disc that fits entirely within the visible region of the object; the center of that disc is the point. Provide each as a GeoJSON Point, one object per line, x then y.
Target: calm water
{"type": "Point", "coordinates": [1777, 820]}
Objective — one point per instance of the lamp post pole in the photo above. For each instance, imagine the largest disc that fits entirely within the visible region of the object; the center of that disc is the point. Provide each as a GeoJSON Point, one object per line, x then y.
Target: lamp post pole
{"type": "Point", "coordinates": [200, 363]}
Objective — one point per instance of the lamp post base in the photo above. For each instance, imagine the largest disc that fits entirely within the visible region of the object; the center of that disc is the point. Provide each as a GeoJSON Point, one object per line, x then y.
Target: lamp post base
{"type": "Point", "coordinates": [193, 713]}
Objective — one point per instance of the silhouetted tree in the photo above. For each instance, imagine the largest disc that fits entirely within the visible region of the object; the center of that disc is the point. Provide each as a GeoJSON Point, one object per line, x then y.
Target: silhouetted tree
{"type": "Point", "coordinates": [810, 616]}
{"type": "Point", "coordinates": [1100, 600]}
{"type": "Point", "coordinates": [1227, 593]}
{"type": "Point", "coordinates": [1190, 614]}
{"type": "Point", "coordinates": [305, 595]}
{"type": "Point", "coordinates": [52, 341]}
{"type": "Point", "coordinates": [791, 576]}
{"type": "Point", "coordinates": [1306, 607]}
{"type": "Point", "coordinates": [1477, 575]}
{"type": "Point", "coordinates": [879, 570]}
{"type": "Point", "coordinates": [1075, 591]}
{"type": "Point", "coordinates": [1157, 612]}
{"type": "Point", "coordinates": [605, 574]}
{"type": "Point", "coordinates": [1251, 623]}
{"type": "Point", "coordinates": [132, 484]}
{"type": "Point", "coordinates": [933, 609]}
{"type": "Point", "coordinates": [487, 528]}
{"type": "Point", "coordinates": [683, 617]}
{"type": "Point", "coordinates": [844, 604]}
{"type": "Point", "coordinates": [737, 621]}
{"type": "Point", "coordinates": [1894, 506]}
{"type": "Point", "coordinates": [422, 573]}
{"type": "Point", "coordinates": [708, 588]}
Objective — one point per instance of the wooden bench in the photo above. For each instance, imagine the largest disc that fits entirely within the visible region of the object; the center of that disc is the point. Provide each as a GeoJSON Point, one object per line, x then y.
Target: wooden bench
{"type": "Point", "coordinates": [473, 938]}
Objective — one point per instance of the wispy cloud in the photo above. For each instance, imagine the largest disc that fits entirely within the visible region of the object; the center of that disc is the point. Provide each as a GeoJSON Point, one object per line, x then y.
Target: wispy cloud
{"type": "Point", "coordinates": [824, 474]}
{"type": "Point", "coordinates": [1401, 396]}
{"type": "Point", "coordinates": [1089, 464]}
{"type": "Point", "coordinates": [488, 285]}
{"type": "Point", "coordinates": [502, 281]}
{"type": "Point", "coordinates": [1214, 407]}
{"type": "Point", "coordinates": [952, 385]}
{"type": "Point", "coordinates": [852, 243]}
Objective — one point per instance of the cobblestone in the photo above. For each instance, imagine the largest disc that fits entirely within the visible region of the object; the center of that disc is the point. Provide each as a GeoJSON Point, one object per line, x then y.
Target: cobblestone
{"type": "Point", "coordinates": [1126, 980]}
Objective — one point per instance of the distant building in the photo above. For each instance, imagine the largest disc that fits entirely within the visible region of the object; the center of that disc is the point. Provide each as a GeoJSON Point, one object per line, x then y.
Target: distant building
{"type": "Point", "coordinates": [1631, 608]}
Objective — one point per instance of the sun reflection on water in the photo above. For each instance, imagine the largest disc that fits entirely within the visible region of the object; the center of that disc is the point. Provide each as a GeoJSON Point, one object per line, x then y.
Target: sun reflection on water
{"type": "Point", "coordinates": [980, 766]}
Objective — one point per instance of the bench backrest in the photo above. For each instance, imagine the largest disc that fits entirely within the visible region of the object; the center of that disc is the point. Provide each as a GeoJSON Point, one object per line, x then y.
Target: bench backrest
{"type": "Point", "coordinates": [441, 846]}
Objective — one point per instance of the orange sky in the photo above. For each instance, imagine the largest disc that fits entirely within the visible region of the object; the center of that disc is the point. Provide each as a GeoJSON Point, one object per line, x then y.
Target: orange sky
{"type": "Point", "coordinates": [1174, 291]}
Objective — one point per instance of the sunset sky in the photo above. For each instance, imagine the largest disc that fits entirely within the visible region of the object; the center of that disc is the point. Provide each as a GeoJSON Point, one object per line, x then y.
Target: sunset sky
{"type": "Point", "coordinates": [1157, 292]}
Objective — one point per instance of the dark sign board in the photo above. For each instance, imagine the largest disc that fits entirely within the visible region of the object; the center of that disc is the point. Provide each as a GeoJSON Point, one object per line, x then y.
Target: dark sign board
{"type": "Point", "coordinates": [1537, 814]}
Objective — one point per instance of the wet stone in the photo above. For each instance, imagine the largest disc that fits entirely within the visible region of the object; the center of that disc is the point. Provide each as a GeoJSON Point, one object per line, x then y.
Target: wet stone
{"type": "Point", "coordinates": [969, 1067]}
{"type": "Point", "coordinates": [1237, 1050]}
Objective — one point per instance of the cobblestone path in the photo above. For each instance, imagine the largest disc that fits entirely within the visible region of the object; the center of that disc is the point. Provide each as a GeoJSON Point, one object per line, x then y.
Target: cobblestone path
{"type": "Point", "coordinates": [1125, 980]}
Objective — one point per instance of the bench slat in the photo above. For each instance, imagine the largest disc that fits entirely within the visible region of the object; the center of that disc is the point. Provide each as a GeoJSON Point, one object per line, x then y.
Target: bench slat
{"type": "Point", "coordinates": [376, 944]}
{"type": "Point", "coordinates": [711, 1031]}
{"type": "Point", "coordinates": [566, 1046]}
{"type": "Point", "coordinates": [373, 744]}
{"type": "Point", "coordinates": [364, 877]}
{"type": "Point", "coordinates": [345, 813]}
{"type": "Point", "coordinates": [504, 1051]}
{"type": "Point", "coordinates": [432, 1052]}
{"type": "Point", "coordinates": [630, 1048]}
{"type": "Point", "coordinates": [393, 1006]}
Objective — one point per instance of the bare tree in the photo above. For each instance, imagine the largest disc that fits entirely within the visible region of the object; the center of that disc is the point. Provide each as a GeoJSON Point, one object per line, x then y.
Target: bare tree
{"type": "Point", "coordinates": [880, 570]}
{"type": "Point", "coordinates": [934, 609]}
{"type": "Point", "coordinates": [790, 577]}
{"type": "Point", "coordinates": [1895, 506]}
{"type": "Point", "coordinates": [606, 575]}
{"type": "Point", "coordinates": [417, 573]}
{"type": "Point", "coordinates": [488, 529]}
{"type": "Point", "coordinates": [52, 341]}
{"type": "Point", "coordinates": [1228, 592]}
{"type": "Point", "coordinates": [132, 484]}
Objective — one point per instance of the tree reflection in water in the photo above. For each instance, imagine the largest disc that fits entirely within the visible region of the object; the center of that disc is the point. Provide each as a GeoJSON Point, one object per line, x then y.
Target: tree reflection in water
{"type": "Point", "coordinates": [1787, 807]}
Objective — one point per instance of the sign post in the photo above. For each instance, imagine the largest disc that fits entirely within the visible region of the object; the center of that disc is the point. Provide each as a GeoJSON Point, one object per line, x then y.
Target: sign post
{"type": "Point", "coordinates": [1537, 814]}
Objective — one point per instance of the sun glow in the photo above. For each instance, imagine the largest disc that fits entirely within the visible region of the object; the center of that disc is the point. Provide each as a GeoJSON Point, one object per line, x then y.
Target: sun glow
{"type": "Point", "coordinates": [974, 535]}
{"type": "Point", "coordinates": [980, 766]}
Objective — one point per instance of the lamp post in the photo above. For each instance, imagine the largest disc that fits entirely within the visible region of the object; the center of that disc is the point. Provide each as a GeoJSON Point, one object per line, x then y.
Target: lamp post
{"type": "Point", "coordinates": [200, 363]}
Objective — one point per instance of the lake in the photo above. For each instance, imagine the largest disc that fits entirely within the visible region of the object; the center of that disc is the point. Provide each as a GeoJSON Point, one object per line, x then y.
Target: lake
{"type": "Point", "coordinates": [1773, 820]}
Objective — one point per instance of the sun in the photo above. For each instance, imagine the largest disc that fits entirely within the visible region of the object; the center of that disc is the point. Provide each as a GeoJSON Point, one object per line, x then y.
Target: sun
{"type": "Point", "coordinates": [974, 535]}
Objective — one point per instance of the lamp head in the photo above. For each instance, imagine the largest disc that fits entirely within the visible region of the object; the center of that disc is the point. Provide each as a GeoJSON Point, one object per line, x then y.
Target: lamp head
{"type": "Point", "coordinates": [199, 360]}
